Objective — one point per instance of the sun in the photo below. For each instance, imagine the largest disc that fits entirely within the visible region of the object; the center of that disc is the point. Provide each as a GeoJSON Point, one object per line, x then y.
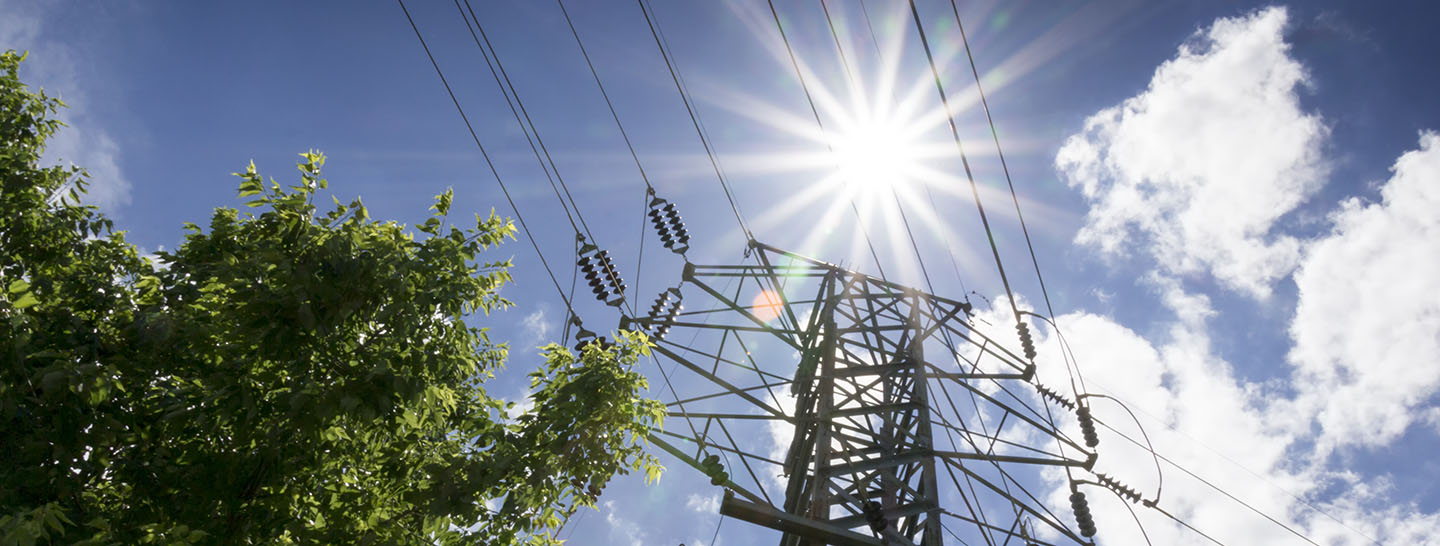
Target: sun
{"type": "Point", "coordinates": [874, 153]}
{"type": "Point", "coordinates": [872, 157]}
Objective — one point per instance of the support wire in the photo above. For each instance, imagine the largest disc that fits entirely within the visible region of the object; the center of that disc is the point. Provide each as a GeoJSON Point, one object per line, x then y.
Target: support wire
{"type": "Point", "coordinates": [493, 171]}
{"type": "Point", "coordinates": [694, 120]}
{"type": "Point", "coordinates": [816, 112]}
{"type": "Point", "coordinates": [964, 159]}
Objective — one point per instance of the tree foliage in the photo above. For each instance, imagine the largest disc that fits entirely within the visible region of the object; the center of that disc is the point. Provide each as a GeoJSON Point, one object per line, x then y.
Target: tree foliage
{"type": "Point", "coordinates": [286, 375]}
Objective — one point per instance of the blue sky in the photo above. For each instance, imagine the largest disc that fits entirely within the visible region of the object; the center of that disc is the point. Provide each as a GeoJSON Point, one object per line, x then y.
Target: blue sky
{"type": "Point", "coordinates": [1233, 204]}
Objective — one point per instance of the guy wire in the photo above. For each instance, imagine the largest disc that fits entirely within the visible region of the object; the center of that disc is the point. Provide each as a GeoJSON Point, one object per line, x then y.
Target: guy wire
{"type": "Point", "coordinates": [493, 171]}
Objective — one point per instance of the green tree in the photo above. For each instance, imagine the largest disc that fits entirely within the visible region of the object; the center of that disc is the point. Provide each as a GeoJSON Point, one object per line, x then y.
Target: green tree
{"type": "Point", "coordinates": [284, 376]}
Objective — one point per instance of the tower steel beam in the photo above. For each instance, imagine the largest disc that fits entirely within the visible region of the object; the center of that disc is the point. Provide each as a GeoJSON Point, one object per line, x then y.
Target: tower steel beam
{"type": "Point", "coordinates": [848, 453]}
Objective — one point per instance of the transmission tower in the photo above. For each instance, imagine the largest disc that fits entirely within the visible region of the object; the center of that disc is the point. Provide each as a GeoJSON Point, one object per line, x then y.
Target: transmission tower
{"type": "Point", "coordinates": [897, 420]}
{"type": "Point", "coordinates": [835, 407]}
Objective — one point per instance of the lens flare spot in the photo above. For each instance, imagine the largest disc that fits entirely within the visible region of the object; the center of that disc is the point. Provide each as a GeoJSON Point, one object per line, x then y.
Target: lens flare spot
{"type": "Point", "coordinates": [766, 305]}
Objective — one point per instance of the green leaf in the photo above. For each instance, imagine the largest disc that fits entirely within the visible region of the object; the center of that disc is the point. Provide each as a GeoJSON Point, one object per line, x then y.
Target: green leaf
{"type": "Point", "coordinates": [26, 301]}
{"type": "Point", "coordinates": [442, 202]}
{"type": "Point", "coordinates": [340, 435]}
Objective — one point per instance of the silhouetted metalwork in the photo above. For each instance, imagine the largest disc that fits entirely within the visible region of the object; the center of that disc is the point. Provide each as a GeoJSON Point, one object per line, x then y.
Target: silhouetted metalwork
{"type": "Point", "coordinates": [851, 410]}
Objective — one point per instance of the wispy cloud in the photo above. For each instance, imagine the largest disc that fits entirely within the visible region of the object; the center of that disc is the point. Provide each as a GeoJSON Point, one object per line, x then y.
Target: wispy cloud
{"type": "Point", "coordinates": [708, 505]}
{"type": "Point", "coordinates": [537, 326]}
{"type": "Point", "coordinates": [54, 65]}
{"type": "Point", "coordinates": [628, 531]}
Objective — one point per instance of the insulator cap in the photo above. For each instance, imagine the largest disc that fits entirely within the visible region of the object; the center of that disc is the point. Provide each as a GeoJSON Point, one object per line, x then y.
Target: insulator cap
{"type": "Point", "coordinates": [1026, 342]}
{"type": "Point", "coordinates": [1081, 507]}
{"type": "Point", "coordinates": [667, 306]}
{"type": "Point", "coordinates": [1053, 396]}
{"type": "Point", "coordinates": [666, 219]}
{"type": "Point", "coordinates": [1087, 427]}
{"type": "Point", "coordinates": [1120, 489]}
{"type": "Point", "coordinates": [601, 275]}
{"type": "Point", "coordinates": [712, 467]}
{"type": "Point", "coordinates": [586, 337]}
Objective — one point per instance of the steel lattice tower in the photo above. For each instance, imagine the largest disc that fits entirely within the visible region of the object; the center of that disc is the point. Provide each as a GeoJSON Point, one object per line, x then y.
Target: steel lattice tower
{"type": "Point", "coordinates": [902, 420]}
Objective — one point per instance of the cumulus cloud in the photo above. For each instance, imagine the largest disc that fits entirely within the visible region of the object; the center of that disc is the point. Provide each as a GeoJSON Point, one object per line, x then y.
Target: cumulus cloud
{"type": "Point", "coordinates": [1195, 172]}
{"type": "Point", "coordinates": [1367, 325]}
{"type": "Point", "coordinates": [54, 66]}
{"type": "Point", "coordinates": [1191, 406]}
{"type": "Point", "coordinates": [1233, 434]}
{"type": "Point", "coordinates": [1198, 167]}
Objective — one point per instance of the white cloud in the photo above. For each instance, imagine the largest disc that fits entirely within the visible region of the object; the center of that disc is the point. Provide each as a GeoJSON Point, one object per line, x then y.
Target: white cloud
{"type": "Point", "coordinates": [1431, 417]}
{"type": "Point", "coordinates": [84, 144]}
{"type": "Point", "coordinates": [708, 505]}
{"type": "Point", "coordinates": [1195, 411]}
{"type": "Point", "coordinates": [522, 405]}
{"type": "Point", "coordinates": [1367, 326]}
{"type": "Point", "coordinates": [781, 433]}
{"type": "Point", "coordinates": [1196, 172]}
{"type": "Point", "coordinates": [629, 531]}
{"type": "Point", "coordinates": [55, 66]}
{"type": "Point", "coordinates": [1232, 433]}
{"type": "Point", "coordinates": [1199, 166]}
{"type": "Point", "coordinates": [537, 326]}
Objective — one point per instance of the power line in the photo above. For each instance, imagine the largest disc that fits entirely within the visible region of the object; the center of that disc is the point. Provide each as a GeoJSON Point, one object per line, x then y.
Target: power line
{"type": "Point", "coordinates": [964, 160]}
{"type": "Point", "coordinates": [603, 94]}
{"type": "Point", "coordinates": [724, 184]}
{"type": "Point", "coordinates": [522, 111]}
{"type": "Point", "coordinates": [640, 253]}
{"type": "Point", "coordinates": [1187, 525]}
{"type": "Point", "coordinates": [975, 191]}
{"type": "Point", "coordinates": [695, 121]}
{"type": "Point", "coordinates": [1210, 485]}
{"type": "Point", "coordinates": [894, 194]}
{"type": "Point", "coordinates": [905, 220]}
{"type": "Point", "coordinates": [1035, 262]}
{"type": "Point", "coordinates": [929, 195]}
{"type": "Point", "coordinates": [1148, 446]}
{"type": "Point", "coordinates": [1136, 517]}
{"type": "Point", "coordinates": [493, 171]}
{"type": "Point", "coordinates": [995, 135]}
{"type": "Point", "coordinates": [816, 112]}
{"type": "Point", "coordinates": [523, 129]}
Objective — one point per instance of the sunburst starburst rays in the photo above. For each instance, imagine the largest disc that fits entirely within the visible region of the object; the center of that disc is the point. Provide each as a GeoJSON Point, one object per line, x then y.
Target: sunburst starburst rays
{"type": "Point", "coordinates": [883, 143]}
